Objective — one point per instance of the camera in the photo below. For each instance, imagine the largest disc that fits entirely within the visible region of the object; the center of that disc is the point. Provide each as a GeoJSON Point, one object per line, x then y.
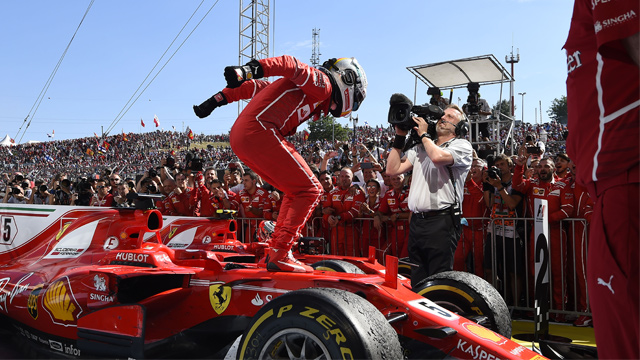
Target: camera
{"type": "Point", "coordinates": [473, 107]}
{"type": "Point", "coordinates": [535, 150]}
{"type": "Point", "coordinates": [153, 173]}
{"type": "Point", "coordinates": [401, 110]}
{"type": "Point", "coordinates": [170, 162]}
{"type": "Point", "coordinates": [151, 188]}
{"type": "Point", "coordinates": [43, 188]}
{"type": "Point", "coordinates": [194, 163]}
{"type": "Point", "coordinates": [528, 138]}
{"type": "Point", "coordinates": [15, 191]}
{"type": "Point", "coordinates": [494, 173]}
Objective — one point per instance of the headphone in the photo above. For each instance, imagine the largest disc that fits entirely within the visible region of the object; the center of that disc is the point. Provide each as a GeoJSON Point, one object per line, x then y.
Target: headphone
{"type": "Point", "coordinates": [462, 127]}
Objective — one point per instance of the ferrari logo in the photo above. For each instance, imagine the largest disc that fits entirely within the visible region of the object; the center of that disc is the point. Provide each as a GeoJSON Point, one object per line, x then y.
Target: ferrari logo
{"type": "Point", "coordinates": [172, 232]}
{"type": "Point", "coordinates": [64, 227]}
{"type": "Point", "coordinates": [220, 296]}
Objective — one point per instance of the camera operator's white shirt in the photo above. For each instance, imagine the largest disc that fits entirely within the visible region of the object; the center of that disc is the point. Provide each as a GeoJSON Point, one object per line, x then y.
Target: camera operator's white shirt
{"type": "Point", "coordinates": [431, 187]}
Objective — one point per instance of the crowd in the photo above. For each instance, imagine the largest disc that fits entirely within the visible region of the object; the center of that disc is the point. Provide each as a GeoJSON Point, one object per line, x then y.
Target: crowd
{"type": "Point", "coordinates": [361, 205]}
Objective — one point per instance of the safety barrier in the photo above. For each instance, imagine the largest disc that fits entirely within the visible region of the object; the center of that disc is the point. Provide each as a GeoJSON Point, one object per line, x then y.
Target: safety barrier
{"type": "Point", "coordinates": [509, 264]}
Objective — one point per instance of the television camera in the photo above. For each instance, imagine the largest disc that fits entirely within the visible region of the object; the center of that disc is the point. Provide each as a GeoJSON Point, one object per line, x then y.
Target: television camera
{"type": "Point", "coordinates": [401, 112]}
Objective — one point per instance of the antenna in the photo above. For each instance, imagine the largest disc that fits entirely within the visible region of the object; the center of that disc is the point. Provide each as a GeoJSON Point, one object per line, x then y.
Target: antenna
{"type": "Point", "coordinates": [315, 52]}
{"type": "Point", "coordinates": [512, 60]}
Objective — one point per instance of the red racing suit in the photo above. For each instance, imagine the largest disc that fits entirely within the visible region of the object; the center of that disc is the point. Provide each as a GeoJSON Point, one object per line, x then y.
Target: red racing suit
{"type": "Point", "coordinates": [260, 200]}
{"type": "Point", "coordinates": [583, 208]}
{"type": "Point", "coordinates": [603, 87]}
{"type": "Point", "coordinates": [473, 206]}
{"type": "Point", "coordinates": [345, 235]}
{"type": "Point", "coordinates": [396, 202]}
{"type": "Point", "coordinates": [258, 136]}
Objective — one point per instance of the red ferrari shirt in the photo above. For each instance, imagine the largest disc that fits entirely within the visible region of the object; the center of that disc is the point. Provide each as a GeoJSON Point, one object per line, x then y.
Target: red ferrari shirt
{"type": "Point", "coordinates": [603, 93]}
{"type": "Point", "coordinates": [347, 206]}
{"type": "Point", "coordinates": [394, 202]}
{"type": "Point", "coordinates": [259, 200]}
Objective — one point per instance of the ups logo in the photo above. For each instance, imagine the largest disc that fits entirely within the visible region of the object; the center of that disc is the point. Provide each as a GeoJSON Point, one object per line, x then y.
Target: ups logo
{"type": "Point", "coordinates": [32, 301]}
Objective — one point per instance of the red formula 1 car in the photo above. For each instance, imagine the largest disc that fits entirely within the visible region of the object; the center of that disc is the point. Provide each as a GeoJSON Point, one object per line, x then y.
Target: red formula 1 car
{"type": "Point", "coordinates": [83, 282]}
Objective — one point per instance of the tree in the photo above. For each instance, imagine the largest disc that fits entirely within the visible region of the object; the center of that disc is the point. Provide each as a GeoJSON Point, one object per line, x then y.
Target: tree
{"type": "Point", "coordinates": [504, 106]}
{"type": "Point", "coordinates": [558, 110]}
{"type": "Point", "coordinates": [324, 129]}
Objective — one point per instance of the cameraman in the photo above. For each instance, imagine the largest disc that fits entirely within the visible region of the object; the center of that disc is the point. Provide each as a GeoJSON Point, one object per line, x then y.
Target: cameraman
{"type": "Point", "coordinates": [532, 147]}
{"type": "Point", "coordinates": [439, 167]}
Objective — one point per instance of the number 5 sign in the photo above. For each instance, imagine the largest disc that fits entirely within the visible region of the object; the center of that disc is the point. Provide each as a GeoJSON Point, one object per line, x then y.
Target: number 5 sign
{"type": "Point", "coordinates": [8, 229]}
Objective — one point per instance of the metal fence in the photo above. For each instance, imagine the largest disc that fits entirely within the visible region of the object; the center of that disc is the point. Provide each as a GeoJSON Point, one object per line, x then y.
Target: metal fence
{"type": "Point", "coordinates": [507, 262]}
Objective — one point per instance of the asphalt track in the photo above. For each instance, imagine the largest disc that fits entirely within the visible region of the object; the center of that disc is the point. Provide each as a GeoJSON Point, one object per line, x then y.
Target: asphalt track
{"type": "Point", "coordinates": [580, 336]}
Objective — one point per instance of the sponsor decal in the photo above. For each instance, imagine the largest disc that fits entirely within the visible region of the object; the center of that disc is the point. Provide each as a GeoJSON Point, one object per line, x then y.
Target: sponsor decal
{"type": "Point", "coordinates": [123, 235]}
{"type": "Point", "coordinates": [607, 23]}
{"type": "Point", "coordinates": [172, 231]}
{"type": "Point", "coordinates": [100, 283]}
{"type": "Point", "coordinates": [111, 243]}
{"type": "Point", "coordinates": [3, 293]}
{"type": "Point", "coordinates": [219, 296]}
{"type": "Point", "coordinates": [391, 201]}
{"type": "Point", "coordinates": [223, 247]}
{"type": "Point", "coordinates": [476, 352]}
{"type": "Point", "coordinates": [519, 350]}
{"type": "Point", "coordinates": [538, 191]}
{"type": "Point", "coordinates": [162, 257]}
{"type": "Point", "coordinates": [432, 308]}
{"type": "Point", "coordinates": [207, 239]}
{"type": "Point", "coordinates": [32, 301]}
{"type": "Point", "coordinates": [56, 346]}
{"type": "Point", "coordinates": [484, 333]}
{"type": "Point", "coordinates": [61, 304]}
{"type": "Point", "coordinates": [64, 228]}
{"type": "Point", "coordinates": [101, 297]}
{"type": "Point", "coordinates": [8, 229]}
{"type": "Point", "coordinates": [19, 287]}
{"type": "Point", "coordinates": [126, 256]}
{"type": "Point", "coordinates": [303, 112]}
{"type": "Point", "coordinates": [257, 300]}
{"type": "Point", "coordinates": [74, 243]}
{"type": "Point", "coordinates": [595, 3]}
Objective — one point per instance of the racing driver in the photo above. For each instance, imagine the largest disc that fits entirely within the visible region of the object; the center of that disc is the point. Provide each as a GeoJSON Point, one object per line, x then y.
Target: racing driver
{"type": "Point", "coordinates": [276, 110]}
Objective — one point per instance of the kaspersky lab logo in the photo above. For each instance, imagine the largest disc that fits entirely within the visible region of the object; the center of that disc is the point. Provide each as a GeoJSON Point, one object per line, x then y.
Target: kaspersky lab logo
{"type": "Point", "coordinates": [61, 304]}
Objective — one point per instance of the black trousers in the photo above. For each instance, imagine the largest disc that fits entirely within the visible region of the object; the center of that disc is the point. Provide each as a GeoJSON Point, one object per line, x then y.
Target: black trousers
{"type": "Point", "coordinates": [432, 244]}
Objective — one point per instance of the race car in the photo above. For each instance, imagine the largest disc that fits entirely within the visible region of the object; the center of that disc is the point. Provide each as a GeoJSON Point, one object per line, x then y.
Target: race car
{"type": "Point", "coordinates": [105, 282]}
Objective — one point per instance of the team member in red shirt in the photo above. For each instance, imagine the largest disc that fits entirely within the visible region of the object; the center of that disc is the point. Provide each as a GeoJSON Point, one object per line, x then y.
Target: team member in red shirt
{"type": "Point", "coordinates": [180, 203]}
{"type": "Point", "coordinates": [255, 204]}
{"type": "Point", "coordinates": [213, 198]}
{"type": "Point", "coordinates": [102, 196]}
{"type": "Point", "coordinates": [275, 111]}
{"type": "Point", "coordinates": [371, 235]}
{"type": "Point", "coordinates": [473, 206]}
{"type": "Point", "coordinates": [342, 206]}
{"type": "Point", "coordinates": [394, 210]}
{"type": "Point", "coordinates": [539, 189]}
{"type": "Point", "coordinates": [603, 100]}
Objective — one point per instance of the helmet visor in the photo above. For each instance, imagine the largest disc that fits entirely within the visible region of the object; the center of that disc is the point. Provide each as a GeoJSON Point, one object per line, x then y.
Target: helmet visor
{"type": "Point", "coordinates": [358, 97]}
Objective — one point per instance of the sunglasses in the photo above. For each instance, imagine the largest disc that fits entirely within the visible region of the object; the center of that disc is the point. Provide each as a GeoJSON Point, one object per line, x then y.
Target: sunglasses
{"type": "Point", "coordinates": [100, 187]}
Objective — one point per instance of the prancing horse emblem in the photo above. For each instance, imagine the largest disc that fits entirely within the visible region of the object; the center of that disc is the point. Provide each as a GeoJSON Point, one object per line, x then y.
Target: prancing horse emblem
{"type": "Point", "coordinates": [220, 296]}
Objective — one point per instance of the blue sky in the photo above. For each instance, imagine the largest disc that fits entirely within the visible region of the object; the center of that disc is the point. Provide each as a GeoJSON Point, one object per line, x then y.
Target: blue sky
{"type": "Point", "coordinates": [120, 41]}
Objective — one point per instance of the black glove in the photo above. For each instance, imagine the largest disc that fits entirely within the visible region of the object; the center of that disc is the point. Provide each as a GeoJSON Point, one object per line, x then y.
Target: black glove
{"type": "Point", "coordinates": [236, 75]}
{"type": "Point", "coordinates": [203, 110]}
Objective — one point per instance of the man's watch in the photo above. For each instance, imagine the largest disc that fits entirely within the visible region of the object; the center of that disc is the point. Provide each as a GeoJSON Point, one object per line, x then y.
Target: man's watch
{"type": "Point", "coordinates": [425, 135]}
{"type": "Point", "coordinates": [339, 217]}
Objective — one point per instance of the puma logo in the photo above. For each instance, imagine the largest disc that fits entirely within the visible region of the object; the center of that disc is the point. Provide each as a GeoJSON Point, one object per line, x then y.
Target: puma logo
{"type": "Point", "coordinates": [601, 282]}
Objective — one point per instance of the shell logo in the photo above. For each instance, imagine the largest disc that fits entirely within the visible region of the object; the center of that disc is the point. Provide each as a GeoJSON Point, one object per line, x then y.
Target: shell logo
{"type": "Point", "coordinates": [61, 304]}
{"type": "Point", "coordinates": [484, 333]}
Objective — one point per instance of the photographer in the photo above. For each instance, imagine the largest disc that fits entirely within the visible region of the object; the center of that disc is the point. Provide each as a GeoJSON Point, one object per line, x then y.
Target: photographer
{"type": "Point", "coordinates": [40, 195]}
{"type": "Point", "coordinates": [15, 195]}
{"type": "Point", "coordinates": [440, 167]}
{"type": "Point", "coordinates": [532, 147]}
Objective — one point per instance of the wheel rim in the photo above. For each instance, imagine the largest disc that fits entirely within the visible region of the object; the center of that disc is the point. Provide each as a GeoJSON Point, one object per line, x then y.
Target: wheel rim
{"type": "Point", "coordinates": [294, 343]}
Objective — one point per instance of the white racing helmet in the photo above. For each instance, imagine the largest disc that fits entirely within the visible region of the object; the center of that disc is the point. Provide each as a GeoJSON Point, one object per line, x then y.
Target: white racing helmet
{"type": "Point", "coordinates": [349, 84]}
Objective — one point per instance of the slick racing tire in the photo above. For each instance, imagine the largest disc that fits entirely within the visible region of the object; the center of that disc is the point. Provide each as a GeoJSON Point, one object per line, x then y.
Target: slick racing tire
{"type": "Point", "coordinates": [337, 266]}
{"type": "Point", "coordinates": [468, 296]}
{"type": "Point", "coordinates": [319, 323]}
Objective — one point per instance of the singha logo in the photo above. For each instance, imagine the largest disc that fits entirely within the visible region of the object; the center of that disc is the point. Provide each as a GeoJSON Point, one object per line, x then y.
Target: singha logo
{"type": "Point", "coordinates": [100, 283]}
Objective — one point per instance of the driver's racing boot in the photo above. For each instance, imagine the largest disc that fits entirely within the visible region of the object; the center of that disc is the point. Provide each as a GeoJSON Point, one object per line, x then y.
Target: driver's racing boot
{"type": "Point", "coordinates": [283, 260]}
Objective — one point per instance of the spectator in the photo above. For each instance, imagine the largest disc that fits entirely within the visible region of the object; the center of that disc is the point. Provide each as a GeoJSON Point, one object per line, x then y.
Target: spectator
{"type": "Point", "coordinates": [473, 206]}
{"type": "Point", "coordinates": [562, 166]}
{"type": "Point", "coordinates": [371, 235]}
{"type": "Point", "coordinates": [15, 195]}
{"type": "Point", "coordinates": [254, 205]}
{"type": "Point", "coordinates": [213, 198]}
{"type": "Point", "coordinates": [121, 200]}
{"type": "Point", "coordinates": [394, 213]}
{"type": "Point", "coordinates": [505, 203]}
{"type": "Point", "coordinates": [342, 206]}
{"type": "Point", "coordinates": [63, 196]}
{"type": "Point", "coordinates": [102, 197]}
{"type": "Point", "coordinates": [114, 180]}
{"type": "Point", "coordinates": [180, 198]}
